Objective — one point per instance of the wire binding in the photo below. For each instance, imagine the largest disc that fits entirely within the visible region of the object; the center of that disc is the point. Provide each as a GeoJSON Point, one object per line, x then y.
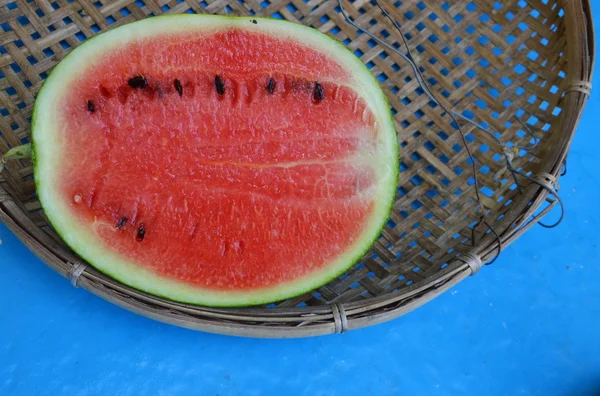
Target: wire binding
{"type": "Point", "coordinates": [339, 318]}
{"type": "Point", "coordinates": [580, 86]}
{"type": "Point", "coordinates": [78, 268]}
{"type": "Point", "coordinates": [472, 260]}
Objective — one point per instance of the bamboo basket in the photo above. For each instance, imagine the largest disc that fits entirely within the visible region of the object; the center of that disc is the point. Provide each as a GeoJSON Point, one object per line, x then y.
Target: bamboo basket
{"type": "Point", "coordinates": [496, 62]}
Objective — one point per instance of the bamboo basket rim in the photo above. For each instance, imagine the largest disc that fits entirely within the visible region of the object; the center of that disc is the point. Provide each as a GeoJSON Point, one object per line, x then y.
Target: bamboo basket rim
{"type": "Point", "coordinates": [338, 317]}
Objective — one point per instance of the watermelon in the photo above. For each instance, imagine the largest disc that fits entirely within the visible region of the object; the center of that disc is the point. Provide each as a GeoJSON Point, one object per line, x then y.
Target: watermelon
{"type": "Point", "coordinates": [215, 160]}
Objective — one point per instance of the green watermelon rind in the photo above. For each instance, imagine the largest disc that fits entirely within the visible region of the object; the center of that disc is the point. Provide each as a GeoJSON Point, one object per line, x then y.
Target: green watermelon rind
{"type": "Point", "coordinates": [146, 281]}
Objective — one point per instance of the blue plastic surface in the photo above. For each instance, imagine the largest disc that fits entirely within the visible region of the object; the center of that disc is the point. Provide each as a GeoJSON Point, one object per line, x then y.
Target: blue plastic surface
{"type": "Point", "coordinates": [528, 325]}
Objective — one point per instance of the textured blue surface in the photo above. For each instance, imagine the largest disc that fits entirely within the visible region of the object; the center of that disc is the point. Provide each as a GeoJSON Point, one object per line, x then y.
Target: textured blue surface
{"type": "Point", "coordinates": [529, 325]}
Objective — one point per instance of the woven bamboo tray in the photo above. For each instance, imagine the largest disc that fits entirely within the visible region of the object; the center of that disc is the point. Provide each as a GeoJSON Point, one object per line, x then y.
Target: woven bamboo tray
{"type": "Point", "coordinates": [520, 67]}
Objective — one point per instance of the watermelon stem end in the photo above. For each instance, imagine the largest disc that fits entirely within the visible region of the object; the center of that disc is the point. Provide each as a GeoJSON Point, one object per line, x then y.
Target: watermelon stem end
{"type": "Point", "coordinates": [19, 152]}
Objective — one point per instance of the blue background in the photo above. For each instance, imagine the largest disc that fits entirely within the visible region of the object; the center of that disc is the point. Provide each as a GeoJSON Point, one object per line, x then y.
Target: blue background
{"type": "Point", "coordinates": [528, 325]}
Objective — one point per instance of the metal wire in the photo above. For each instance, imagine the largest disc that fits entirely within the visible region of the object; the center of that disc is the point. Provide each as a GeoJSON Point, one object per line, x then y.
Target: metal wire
{"type": "Point", "coordinates": [454, 115]}
{"type": "Point", "coordinates": [535, 139]}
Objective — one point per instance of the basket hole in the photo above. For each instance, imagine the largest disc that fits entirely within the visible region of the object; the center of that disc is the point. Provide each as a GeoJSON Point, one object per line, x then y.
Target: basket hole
{"type": "Point", "coordinates": [488, 192]}
{"type": "Point", "coordinates": [432, 193]}
{"type": "Point", "coordinates": [533, 55]}
{"type": "Point", "coordinates": [64, 44]}
{"type": "Point", "coordinates": [417, 181]}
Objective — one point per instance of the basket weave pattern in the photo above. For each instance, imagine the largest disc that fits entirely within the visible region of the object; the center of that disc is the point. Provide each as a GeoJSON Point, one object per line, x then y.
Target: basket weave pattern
{"type": "Point", "coordinates": [496, 62]}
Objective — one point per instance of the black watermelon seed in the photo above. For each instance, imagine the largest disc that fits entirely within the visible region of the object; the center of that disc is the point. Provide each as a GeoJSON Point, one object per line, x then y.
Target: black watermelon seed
{"type": "Point", "coordinates": [141, 233]}
{"type": "Point", "coordinates": [91, 106]}
{"type": "Point", "coordinates": [178, 87]}
{"type": "Point", "coordinates": [254, 21]}
{"type": "Point", "coordinates": [122, 222]}
{"type": "Point", "coordinates": [318, 93]}
{"type": "Point", "coordinates": [271, 85]}
{"type": "Point", "coordinates": [138, 82]}
{"type": "Point", "coordinates": [220, 85]}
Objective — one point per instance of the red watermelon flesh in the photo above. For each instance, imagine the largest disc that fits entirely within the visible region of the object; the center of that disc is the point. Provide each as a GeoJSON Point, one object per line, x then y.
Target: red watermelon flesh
{"type": "Point", "coordinates": [225, 161]}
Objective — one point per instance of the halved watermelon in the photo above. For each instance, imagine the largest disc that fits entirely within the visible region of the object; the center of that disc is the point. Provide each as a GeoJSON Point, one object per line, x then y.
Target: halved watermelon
{"type": "Point", "coordinates": [214, 160]}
